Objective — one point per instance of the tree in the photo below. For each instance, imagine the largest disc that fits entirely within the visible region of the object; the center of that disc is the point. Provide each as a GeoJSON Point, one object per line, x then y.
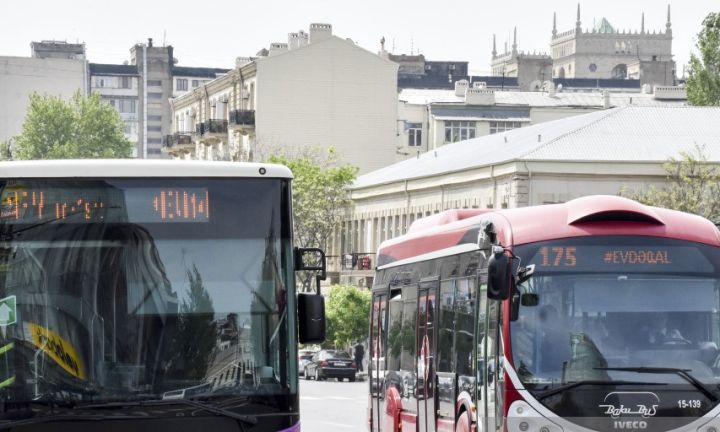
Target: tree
{"type": "Point", "coordinates": [82, 128]}
{"type": "Point", "coordinates": [694, 186]}
{"type": "Point", "coordinates": [703, 83]}
{"type": "Point", "coordinates": [320, 197]}
{"type": "Point", "coordinates": [196, 335]}
{"type": "Point", "coordinates": [347, 311]}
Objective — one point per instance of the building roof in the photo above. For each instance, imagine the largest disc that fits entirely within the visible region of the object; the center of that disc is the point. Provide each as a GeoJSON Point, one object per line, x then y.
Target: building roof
{"type": "Point", "coordinates": [112, 69]}
{"type": "Point", "coordinates": [414, 81]}
{"type": "Point", "coordinates": [626, 134]}
{"type": "Point", "coordinates": [604, 26]}
{"type": "Point", "coordinates": [538, 99]}
{"type": "Point", "coordinates": [200, 72]}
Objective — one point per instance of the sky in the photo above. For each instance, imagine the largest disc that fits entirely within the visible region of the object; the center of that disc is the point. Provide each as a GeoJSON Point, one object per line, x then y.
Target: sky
{"type": "Point", "coordinates": [213, 32]}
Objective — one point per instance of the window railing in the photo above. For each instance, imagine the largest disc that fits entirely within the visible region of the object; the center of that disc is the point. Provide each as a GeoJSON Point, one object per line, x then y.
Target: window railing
{"type": "Point", "coordinates": [242, 117]}
{"type": "Point", "coordinates": [214, 126]}
{"type": "Point", "coordinates": [178, 138]}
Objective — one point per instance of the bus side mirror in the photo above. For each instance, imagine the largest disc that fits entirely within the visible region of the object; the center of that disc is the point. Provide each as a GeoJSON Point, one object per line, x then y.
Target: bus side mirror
{"type": "Point", "coordinates": [311, 259]}
{"type": "Point", "coordinates": [311, 318]}
{"type": "Point", "coordinates": [499, 272]}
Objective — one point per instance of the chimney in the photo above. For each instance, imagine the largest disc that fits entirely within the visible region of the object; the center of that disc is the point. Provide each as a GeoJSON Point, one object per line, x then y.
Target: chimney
{"type": "Point", "coordinates": [277, 48]}
{"type": "Point", "coordinates": [460, 87]}
{"type": "Point", "coordinates": [320, 32]}
{"type": "Point", "coordinates": [150, 43]}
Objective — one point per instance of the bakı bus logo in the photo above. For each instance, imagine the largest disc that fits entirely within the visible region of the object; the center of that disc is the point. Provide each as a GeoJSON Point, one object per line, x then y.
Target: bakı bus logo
{"type": "Point", "coordinates": [643, 404]}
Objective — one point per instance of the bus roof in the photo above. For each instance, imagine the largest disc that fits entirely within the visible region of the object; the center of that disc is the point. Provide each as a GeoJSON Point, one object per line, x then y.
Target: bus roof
{"type": "Point", "coordinates": [586, 216]}
{"type": "Point", "coordinates": [105, 168]}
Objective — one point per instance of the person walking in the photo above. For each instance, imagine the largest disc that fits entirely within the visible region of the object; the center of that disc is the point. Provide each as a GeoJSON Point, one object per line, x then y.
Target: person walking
{"type": "Point", "coordinates": [359, 354]}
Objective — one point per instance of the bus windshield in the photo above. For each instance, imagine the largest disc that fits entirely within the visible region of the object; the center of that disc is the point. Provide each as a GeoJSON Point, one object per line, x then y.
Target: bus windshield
{"type": "Point", "coordinates": [598, 309]}
{"type": "Point", "coordinates": [131, 289]}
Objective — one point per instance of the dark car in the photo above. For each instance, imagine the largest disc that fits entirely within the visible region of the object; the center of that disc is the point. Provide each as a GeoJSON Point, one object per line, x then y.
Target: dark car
{"type": "Point", "coordinates": [304, 357]}
{"type": "Point", "coordinates": [330, 364]}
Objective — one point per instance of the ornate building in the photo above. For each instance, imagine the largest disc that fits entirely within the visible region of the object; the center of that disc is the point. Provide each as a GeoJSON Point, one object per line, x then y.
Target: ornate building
{"type": "Point", "coordinates": [600, 53]}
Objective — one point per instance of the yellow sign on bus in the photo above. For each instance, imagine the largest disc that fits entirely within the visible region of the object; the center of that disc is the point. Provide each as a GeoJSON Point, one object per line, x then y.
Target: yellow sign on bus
{"type": "Point", "coordinates": [58, 349]}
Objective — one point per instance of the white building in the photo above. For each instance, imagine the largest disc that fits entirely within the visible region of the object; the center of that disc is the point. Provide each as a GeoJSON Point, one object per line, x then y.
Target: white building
{"type": "Point", "coordinates": [55, 68]}
{"type": "Point", "coordinates": [597, 153]}
{"type": "Point", "coordinates": [601, 53]}
{"type": "Point", "coordinates": [315, 90]}
{"type": "Point", "coordinates": [433, 118]}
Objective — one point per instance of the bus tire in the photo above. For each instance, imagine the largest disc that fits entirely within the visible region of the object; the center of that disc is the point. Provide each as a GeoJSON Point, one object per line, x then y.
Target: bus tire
{"type": "Point", "coordinates": [462, 424]}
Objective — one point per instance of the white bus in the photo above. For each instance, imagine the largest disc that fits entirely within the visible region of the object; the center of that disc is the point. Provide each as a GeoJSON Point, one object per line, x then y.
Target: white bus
{"type": "Point", "coordinates": [125, 283]}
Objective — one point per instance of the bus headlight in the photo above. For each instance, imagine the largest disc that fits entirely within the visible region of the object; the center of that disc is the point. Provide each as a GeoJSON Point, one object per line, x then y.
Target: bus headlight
{"type": "Point", "coordinates": [522, 417]}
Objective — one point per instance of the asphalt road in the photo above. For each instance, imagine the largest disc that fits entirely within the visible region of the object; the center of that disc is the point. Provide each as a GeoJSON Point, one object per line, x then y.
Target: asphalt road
{"type": "Point", "coordinates": [333, 406]}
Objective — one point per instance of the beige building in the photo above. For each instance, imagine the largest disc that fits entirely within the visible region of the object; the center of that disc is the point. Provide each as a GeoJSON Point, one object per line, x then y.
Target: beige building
{"type": "Point", "coordinates": [599, 53]}
{"type": "Point", "coordinates": [602, 152]}
{"type": "Point", "coordinates": [434, 118]}
{"type": "Point", "coordinates": [315, 90]}
{"type": "Point", "coordinates": [55, 68]}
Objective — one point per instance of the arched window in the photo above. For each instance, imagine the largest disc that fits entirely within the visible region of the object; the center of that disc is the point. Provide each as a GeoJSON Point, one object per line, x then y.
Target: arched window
{"type": "Point", "coordinates": [619, 71]}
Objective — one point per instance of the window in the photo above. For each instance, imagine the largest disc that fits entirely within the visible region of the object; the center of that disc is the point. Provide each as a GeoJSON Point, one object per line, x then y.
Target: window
{"type": "Point", "coordinates": [414, 134]}
{"type": "Point", "coordinates": [154, 118]}
{"type": "Point", "coordinates": [154, 151]}
{"type": "Point", "coordinates": [103, 82]}
{"type": "Point", "coordinates": [154, 140]}
{"type": "Point", "coordinates": [502, 126]}
{"type": "Point", "coordinates": [181, 84]}
{"type": "Point", "coordinates": [195, 83]}
{"type": "Point", "coordinates": [154, 83]}
{"type": "Point", "coordinates": [459, 130]}
{"type": "Point", "coordinates": [154, 128]}
{"type": "Point", "coordinates": [154, 95]}
{"type": "Point", "coordinates": [126, 106]}
{"type": "Point", "coordinates": [125, 82]}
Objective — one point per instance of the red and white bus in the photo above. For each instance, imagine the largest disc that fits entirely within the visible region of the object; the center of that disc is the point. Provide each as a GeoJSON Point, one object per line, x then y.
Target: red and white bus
{"type": "Point", "coordinates": [600, 314]}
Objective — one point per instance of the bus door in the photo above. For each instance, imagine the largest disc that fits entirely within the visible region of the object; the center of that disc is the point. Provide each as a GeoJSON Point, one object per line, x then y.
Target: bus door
{"type": "Point", "coordinates": [376, 365]}
{"type": "Point", "coordinates": [493, 367]}
{"type": "Point", "coordinates": [425, 345]}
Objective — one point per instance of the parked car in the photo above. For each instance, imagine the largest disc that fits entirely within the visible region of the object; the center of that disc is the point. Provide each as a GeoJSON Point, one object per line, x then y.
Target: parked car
{"type": "Point", "coordinates": [331, 364]}
{"type": "Point", "coordinates": [304, 357]}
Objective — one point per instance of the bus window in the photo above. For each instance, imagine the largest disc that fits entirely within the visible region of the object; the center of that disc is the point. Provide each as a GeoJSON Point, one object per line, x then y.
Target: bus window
{"type": "Point", "coordinates": [446, 328]}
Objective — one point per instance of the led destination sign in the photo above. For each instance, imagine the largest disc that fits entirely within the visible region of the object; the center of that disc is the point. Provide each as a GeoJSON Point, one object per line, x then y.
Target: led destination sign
{"type": "Point", "coordinates": [103, 204]}
{"type": "Point", "coordinates": [560, 258]}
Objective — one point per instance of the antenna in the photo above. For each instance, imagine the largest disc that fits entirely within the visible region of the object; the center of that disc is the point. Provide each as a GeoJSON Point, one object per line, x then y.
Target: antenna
{"type": "Point", "coordinates": [164, 34]}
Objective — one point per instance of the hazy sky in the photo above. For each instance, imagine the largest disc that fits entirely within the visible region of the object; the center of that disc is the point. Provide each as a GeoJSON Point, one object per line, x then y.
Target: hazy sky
{"type": "Point", "coordinates": [214, 32]}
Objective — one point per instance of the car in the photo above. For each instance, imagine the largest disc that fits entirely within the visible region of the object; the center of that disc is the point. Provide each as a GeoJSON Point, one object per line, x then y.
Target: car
{"type": "Point", "coordinates": [330, 364]}
{"type": "Point", "coordinates": [304, 357]}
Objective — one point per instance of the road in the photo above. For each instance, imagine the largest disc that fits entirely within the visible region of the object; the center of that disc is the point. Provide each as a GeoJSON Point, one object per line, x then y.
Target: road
{"type": "Point", "coordinates": [333, 406]}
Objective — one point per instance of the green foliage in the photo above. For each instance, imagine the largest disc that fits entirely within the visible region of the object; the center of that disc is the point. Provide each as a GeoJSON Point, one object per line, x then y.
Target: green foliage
{"type": "Point", "coordinates": [703, 83]}
{"type": "Point", "coordinates": [693, 186]}
{"type": "Point", "coordinates": [82, 128]}
{"type": "Point", "coordinates": [320, 197]}
{"type": "Point", "coordinates": [347, 311]}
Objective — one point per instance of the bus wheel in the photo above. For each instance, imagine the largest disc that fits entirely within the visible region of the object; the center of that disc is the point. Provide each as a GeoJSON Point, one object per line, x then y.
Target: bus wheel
{"type": "Point", "coordinates": [463, 422]}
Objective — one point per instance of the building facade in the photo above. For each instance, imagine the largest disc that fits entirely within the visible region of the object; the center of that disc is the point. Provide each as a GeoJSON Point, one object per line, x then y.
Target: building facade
{"type": "Point", "coordinates": [434, 118]}
{"type": "Point", "coordinates": [316, 90]}
{"type": "Point", "coordinates": [141, 91]}
{"type": "Point", "coordinates": [54, 68]}
{"type": "Point", "coordinates": [600, 53]}
{"type": "Point", "coordinates": [551, 162]}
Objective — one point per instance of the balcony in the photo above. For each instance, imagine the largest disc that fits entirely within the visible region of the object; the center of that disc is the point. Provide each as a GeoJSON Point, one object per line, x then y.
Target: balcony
{"type": "Point", "coordinates": [212, 131]}
{"type": "Point", "coordinates": [242, 121]}
{"type": "Point", "coordinates": [178, 142]}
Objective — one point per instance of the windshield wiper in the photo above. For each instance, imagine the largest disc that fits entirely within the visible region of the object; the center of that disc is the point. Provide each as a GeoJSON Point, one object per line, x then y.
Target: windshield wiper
{"type": "Point", "coordinates": [682, 373]}
{"type": "Point", "coordinates": [574, 384]}
{"type": "Point", "coordinates": [246, 419]}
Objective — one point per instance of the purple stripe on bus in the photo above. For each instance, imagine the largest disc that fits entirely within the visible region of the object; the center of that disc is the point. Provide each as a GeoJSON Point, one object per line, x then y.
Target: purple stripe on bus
{"type": "Point", "coordinates": [293, 428]}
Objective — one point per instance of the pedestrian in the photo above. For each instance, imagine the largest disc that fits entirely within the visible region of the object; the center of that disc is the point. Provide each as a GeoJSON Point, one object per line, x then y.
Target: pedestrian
{"type": "Point", "coordinates": [359, 355]}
